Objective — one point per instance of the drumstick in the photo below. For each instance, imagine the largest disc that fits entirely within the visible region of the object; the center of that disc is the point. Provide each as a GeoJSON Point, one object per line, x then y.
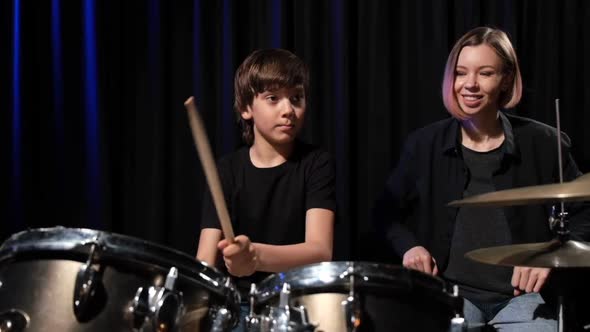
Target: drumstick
{"type": "Point", "coordinates": [204, 150]}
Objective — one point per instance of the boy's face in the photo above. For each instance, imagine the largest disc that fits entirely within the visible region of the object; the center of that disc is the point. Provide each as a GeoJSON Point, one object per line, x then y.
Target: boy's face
{"type": "Point", "coordinates": [277, 116]}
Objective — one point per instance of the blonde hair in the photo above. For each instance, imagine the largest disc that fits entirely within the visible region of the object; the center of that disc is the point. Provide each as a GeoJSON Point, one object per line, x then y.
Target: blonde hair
{"type": "Point", "coordinates": [499, 42]}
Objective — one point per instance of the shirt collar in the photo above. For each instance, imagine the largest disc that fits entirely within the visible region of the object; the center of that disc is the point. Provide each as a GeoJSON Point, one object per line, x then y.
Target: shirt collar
{"type": "Point", "coordinates": [452, 138]}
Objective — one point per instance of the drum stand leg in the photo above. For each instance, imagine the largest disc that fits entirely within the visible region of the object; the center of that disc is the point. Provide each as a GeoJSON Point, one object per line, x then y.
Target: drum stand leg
{"type": "Point", "coordinates": [560, 313]}
{"type": "Point", "coordinates": [566, 319]}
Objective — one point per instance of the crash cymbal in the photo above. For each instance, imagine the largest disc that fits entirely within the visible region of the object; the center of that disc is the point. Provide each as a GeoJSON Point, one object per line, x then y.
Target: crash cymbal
{"type": "Point", "coordinates": [552, 254]}
{"type": "Point", "coordinates": [577, 190]}
{"type": "Point", "coordinates": [585, 177]}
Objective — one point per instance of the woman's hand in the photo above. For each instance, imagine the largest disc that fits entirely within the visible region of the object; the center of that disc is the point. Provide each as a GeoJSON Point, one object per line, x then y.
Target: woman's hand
{"type": "Point", "coordinates": [529, 279]}
{"type": "Point", "coordinates": [418, 258]}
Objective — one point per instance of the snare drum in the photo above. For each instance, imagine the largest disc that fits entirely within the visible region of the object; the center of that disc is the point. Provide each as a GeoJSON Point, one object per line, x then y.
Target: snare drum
{"type": "Point", "coordinates": [60, 279]}
{"type": "Point", "coordinates": [354, 296]}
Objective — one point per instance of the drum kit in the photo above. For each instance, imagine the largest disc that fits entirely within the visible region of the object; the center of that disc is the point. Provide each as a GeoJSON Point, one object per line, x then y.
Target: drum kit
{"type": "Point", "coordinates": [70, 279]}
{"type": "Point", "coordinates": [64, 279]}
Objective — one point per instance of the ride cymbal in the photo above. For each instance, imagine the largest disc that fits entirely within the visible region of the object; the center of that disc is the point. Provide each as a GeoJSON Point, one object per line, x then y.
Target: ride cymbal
{"type": "Point", "coordinates": [577, 190]}
{"type": "Point", "coordinates": [552, 254]}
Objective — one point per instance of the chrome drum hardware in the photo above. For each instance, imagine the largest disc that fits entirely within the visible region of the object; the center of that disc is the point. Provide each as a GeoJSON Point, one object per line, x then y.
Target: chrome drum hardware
{"type": "Point", "coordinates": [352, 296]}
{"type": "Point", "coordinates": [63, 279]}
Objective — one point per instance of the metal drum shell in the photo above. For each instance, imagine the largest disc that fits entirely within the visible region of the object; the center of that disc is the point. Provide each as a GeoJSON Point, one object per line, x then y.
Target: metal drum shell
{"type": "Point", "coordinates": [38, 269]}
{"type": "Point", "coordinates": [392, 298]}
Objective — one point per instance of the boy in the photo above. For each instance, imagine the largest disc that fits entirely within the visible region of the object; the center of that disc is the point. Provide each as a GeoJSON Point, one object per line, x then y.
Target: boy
{"type": "Point", "coordinates": [279, 190]}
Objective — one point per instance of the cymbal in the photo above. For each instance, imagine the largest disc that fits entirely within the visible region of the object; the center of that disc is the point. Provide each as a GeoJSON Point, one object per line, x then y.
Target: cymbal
{"type": "Point", "coordinates": [585, 177]}
{"type": "Point", "coordinates": [552, 254]}
{"type": "Point", "coordinates": [577, 190]}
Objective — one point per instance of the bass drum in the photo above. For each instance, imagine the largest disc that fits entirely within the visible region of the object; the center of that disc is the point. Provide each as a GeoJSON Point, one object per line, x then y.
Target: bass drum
{"type": "Point", "coordinates": [61, 279]}
{"type": "Point", "coordinates": [354, 296]}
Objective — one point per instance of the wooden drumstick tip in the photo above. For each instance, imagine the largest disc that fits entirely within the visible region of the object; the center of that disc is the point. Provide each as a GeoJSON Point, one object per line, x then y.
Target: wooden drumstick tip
{"type": "Point", "coordinates": [189, 101]}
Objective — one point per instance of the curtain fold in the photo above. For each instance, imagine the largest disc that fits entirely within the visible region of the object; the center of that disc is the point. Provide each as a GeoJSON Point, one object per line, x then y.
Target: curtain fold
{"type": "Point", "coordinates": [376, 70]}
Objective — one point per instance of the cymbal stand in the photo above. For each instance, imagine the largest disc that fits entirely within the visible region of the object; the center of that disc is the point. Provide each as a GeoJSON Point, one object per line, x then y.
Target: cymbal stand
{"type": "Point", "coordinates": [559, 224]}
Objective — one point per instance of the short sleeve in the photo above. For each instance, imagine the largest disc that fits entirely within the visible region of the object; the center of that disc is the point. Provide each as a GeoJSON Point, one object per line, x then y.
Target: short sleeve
{"type": "Point", "coordinates": [321, 183]}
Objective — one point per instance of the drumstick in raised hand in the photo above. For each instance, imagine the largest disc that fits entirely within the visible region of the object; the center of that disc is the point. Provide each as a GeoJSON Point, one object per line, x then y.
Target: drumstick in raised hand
{"type": "Point", "coordinates": [207, 161]}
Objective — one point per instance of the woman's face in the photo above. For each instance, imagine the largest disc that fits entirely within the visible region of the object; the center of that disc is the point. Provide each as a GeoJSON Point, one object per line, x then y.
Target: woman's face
{"type": "Point", "coordinates": [478, 79]}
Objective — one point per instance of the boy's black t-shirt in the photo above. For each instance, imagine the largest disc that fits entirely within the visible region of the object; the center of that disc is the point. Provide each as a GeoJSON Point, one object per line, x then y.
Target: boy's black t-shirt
{"type": "Point", "coordinates": [269, 204]}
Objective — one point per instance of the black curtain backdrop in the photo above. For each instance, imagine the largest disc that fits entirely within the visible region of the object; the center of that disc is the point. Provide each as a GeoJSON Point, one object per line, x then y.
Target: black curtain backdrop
{"type": "Point", "coordinates": [93, 132]}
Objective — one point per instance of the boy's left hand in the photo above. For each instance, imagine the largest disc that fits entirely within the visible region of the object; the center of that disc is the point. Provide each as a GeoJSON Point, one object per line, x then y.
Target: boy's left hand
{"type": "Point", "coordinates": [240, 257]}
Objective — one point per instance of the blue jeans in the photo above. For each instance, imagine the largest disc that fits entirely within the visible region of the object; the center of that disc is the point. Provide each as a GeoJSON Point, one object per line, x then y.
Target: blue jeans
{"type": "Point", "coordinates": [244, 311]}
{"type": "Point", "coordinates": [524, 313]}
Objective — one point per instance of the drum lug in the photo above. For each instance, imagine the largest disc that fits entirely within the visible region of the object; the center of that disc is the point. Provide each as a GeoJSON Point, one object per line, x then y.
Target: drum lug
{"type": "Point", "coordinates": [140, 307]}
{"type": "Point", "coordinates": [13, 321]}
{"type": "Point", "coordinates": [282, 318]}
{"type": "Point", "coordinates": [352, 307]}
{"type": "Point", "coordinates": [89, 294]}
{"type": "Point", "coordinates": [252, 320]}
{"type": "Point", "coordinates": [352, 313]}
{"type": "Point", "coordinates": [162, 306]}
{"type": "Point", "coordinates": [221, 319]}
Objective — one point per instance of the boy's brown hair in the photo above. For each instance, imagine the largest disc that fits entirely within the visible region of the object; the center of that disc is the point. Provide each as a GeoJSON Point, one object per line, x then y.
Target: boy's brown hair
{"type": "Point", "coordinates": [266, 70]}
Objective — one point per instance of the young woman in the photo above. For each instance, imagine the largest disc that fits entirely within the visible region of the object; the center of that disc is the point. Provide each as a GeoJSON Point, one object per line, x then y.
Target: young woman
{"type": "Point", "coordinates": [478, 150]}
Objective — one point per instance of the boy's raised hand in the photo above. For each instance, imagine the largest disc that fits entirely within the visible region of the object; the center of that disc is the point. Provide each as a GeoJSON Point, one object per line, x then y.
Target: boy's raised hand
{"type": "Point", "coordinates": [240, 257]}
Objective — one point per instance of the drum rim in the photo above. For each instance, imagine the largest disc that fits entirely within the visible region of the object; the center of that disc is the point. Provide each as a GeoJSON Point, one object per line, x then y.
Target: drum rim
{"type": "Point", "coordinates": [74, 244]}
{"type": "Point", "coordinates": [309, 279]}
